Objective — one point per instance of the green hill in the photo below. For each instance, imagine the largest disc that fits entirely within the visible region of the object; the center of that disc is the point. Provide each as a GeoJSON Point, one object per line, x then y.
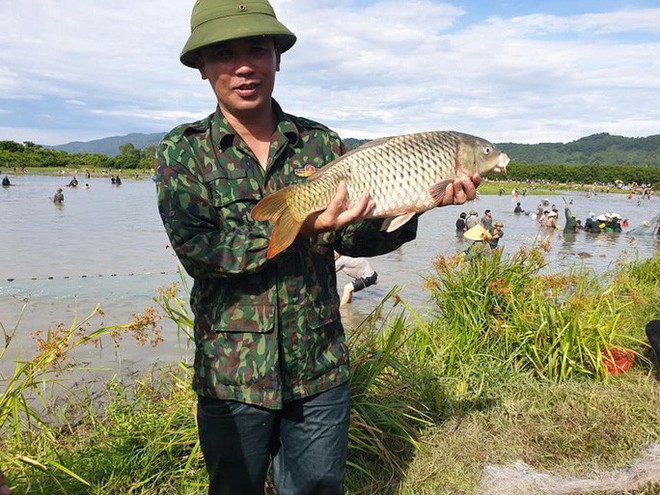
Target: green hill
{"type": "Point", "coordinates": [597, 149]}
{"type": "Point", "coordinates": [110, 146]}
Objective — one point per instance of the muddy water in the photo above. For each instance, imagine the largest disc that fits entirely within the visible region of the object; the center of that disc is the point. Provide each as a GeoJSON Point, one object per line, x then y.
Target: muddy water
{"type": "Point", "coordinates": [106, 245]}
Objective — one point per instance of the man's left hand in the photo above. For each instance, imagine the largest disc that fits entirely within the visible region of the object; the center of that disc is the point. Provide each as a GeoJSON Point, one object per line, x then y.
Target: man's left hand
{"type": "Point", "coordinates": [461, 190]}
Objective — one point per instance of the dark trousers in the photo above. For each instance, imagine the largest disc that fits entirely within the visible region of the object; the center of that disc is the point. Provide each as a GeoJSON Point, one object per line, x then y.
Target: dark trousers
{"type": "Point", "coordinates": [361, 283]}
{"type": "Point", "coordinates": [307, 442]}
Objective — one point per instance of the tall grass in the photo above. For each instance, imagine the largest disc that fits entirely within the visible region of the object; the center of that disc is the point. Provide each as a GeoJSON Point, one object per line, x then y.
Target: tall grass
{"type": "Point", "coordinates": [505, 310]}
{"type": "Point", "coordinates": [504, 339]}
{"type": "Point", "coordinates": [386, 417]}
{"type": "Point", "coordinates": [38, 409]}
{"type": "Point", "coordinates": [144, 440]}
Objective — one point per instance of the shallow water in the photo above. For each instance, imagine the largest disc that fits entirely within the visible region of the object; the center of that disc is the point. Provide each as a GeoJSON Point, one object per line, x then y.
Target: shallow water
{"type": "Point", "coordinates": [106, 245]}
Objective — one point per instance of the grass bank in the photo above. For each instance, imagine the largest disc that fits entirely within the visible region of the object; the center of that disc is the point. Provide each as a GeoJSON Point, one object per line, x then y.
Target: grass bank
{"type": "Point", "coordinates": [510, 367]}
{"type": "Point", "coordinates": [492, 185]}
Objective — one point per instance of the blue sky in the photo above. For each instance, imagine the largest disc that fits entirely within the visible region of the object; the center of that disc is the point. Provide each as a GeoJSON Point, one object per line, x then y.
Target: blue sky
{"type": "Point", "coordinates": [526, 72]}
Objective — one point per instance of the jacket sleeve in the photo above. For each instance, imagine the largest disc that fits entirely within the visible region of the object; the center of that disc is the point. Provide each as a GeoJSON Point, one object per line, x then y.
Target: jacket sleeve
{"type": "Point", "coordinates": [207, 243]}
{"type": "Point", "coordinates": [366, 239]}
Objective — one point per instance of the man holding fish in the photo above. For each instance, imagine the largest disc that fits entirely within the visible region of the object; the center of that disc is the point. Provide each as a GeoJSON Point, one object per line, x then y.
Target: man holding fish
{"type": "Point", "coordinates": [271, 364]}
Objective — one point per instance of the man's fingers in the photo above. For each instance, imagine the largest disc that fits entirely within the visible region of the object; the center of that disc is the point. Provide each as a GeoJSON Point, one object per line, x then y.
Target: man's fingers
{"type": "Point", "coordinates": [464, 189]}
{"type": "Point", "coordinates": [363, 206]}
{"type": "Point", "coordinates": [460, 196]}
{"type": "Point", "coordinates": [337, 203]}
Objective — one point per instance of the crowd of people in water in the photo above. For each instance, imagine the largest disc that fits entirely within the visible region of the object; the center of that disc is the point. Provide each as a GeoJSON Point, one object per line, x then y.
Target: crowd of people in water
{"type": "Point", "coordinates": [548, 218]}
{"type": "Point", "coordinates": [545, 214]}
{"type": "Point", "coordinates": [486, 233]}
{"type": "Point", "coordinates": [58, 197]}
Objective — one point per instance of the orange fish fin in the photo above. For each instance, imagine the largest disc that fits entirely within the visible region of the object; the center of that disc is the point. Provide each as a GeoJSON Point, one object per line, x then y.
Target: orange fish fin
{"type": "Point", "coordinates": [285, 232]}
{"type": "Point", "coordinates": [392, 223]}
{"type": "Point", "coordinates": [437, 191]}
{"type": "Point", "coordinates": [270, 207]}
{"type": "Point", "coordinates": [286, 228]}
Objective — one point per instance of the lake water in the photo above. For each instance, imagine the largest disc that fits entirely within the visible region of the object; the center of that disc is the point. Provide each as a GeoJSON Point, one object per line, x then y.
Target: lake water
{"type": "Point", "coordinates": [106, 245]}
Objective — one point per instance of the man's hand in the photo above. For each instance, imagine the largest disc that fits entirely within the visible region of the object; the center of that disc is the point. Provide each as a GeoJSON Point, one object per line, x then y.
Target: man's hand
{"type": "Point", "coordinates": [336, 215]}
{"type": "Point", "coordinates": [462, 189]}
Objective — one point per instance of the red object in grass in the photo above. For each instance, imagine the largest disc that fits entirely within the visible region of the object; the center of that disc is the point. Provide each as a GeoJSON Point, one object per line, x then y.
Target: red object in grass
{"type": "Point", "coordinates": [617, 360]}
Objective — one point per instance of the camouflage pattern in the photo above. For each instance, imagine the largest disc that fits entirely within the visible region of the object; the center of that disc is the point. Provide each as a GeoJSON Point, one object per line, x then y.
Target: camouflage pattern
{"type": "Point", "coordinates": [266, 331]}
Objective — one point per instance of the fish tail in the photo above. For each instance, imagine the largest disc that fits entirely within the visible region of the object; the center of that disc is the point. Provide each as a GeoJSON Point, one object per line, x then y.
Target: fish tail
{"type": "Point", "coordinates": [286, 228]}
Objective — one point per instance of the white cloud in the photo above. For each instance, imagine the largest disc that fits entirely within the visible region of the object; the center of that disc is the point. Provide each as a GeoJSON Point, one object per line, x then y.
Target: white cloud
{"type": "Point", "coordinates": [494, 73]}
{"type": "Point", "coordinates": [366, 70]}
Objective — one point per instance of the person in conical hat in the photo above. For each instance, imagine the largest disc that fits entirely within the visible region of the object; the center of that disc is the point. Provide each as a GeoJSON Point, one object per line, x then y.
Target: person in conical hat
{"type": "Point", "coordinates": [475, 233]}
{"type": "Point", "coordinates": [479, 246]}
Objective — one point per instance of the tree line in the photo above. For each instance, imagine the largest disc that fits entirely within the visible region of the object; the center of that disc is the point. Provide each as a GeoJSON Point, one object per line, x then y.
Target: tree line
{"type": "Point", "coordinates": [15, 155]}
{"type": "Point", "coordinates": [584, 174]}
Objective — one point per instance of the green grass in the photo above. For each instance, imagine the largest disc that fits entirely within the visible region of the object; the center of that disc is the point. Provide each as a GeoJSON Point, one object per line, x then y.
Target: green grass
{"type": "Point", "coordinates": [508, 367]}
{"type": "Point", "coordinates": [493, 183]}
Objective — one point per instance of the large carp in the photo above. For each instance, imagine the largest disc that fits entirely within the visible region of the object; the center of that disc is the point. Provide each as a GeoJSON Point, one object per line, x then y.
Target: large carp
{"type": "Point", "coordinates": [404, 175]}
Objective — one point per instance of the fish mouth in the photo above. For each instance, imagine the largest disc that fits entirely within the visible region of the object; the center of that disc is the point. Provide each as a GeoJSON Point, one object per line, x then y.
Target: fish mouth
{"type": "Point", "coordinates": [502, 162]}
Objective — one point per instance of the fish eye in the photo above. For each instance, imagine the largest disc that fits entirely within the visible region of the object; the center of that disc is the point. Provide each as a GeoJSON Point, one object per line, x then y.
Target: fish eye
{"type": "Point", "coordinates": [486, 150]}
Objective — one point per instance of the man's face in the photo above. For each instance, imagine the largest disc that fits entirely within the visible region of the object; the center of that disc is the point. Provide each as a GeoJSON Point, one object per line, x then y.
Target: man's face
{"type": "Point", "coordinates": [242, 74]}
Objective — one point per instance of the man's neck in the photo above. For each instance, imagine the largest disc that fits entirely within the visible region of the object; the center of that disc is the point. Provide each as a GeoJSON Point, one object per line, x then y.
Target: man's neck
{"type": "Point", "coordinates": [256, 131]}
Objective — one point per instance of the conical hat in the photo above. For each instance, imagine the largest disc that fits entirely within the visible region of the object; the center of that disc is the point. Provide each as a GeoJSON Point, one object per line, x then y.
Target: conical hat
{"type": "Point", "coordinates": [474, 233]}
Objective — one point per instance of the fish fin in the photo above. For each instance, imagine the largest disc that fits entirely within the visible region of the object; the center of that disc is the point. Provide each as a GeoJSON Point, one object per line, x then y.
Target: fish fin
{"type": "Point", "coordinates": [285, 232]}
{"type": "Point", "coordinates": [270, 207]}
{"type": "Point", "coordinates": [437, 191]}
{"type": "Point", "coordinates": [286, 228]}
{"type": "Point", "coordinates": [392, 223]}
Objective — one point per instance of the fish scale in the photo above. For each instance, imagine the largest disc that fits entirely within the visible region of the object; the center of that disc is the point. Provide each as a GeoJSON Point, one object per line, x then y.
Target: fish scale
{"type": "Point", "coordinates": [403, 175]}
{"type": "Point", "coordinates": [431, 160]}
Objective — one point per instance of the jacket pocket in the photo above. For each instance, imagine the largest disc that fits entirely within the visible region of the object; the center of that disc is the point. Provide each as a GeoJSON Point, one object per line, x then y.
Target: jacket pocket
{"type": "Point", "coordinates": [245, 319]}
{"type": "Point", "coordinates": [233, 194]}
{"type": "Point", "coordinates": [233, 305]}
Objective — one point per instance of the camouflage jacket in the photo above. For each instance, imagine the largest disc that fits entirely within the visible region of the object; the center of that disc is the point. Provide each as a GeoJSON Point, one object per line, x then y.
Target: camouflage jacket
{"type": "Point", "coordinates": [266, 331]}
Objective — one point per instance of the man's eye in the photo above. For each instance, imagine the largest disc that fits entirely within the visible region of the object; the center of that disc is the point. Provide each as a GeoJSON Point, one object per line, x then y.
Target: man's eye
{"type": "Point", "coordinates": [219, 54]}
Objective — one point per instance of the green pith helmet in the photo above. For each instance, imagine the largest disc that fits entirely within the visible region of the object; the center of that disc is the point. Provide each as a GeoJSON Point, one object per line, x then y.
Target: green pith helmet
{"type": "Point", "coordinates": [213, 21]}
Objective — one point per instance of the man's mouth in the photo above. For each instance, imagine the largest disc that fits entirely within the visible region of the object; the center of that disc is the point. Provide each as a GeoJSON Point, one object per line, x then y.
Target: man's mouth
{"type": "Point", "coordinates": [247, 89]}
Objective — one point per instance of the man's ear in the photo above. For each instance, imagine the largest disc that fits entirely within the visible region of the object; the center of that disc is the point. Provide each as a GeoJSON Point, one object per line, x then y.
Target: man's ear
{"type": "Point", "coordinates": [278, 58]}
{"type": "Point", "coordinates": [199, 63]}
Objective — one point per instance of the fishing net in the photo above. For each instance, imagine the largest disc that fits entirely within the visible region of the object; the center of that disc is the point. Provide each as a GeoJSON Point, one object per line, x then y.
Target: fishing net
{"type": "Point", "coordinates": [522, 478]}
{"type": "Point", "coordinates": [648, 227]}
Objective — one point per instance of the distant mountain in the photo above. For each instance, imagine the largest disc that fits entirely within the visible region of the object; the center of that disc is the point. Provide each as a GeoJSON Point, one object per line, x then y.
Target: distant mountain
{"type": "Point", "coordinates": [603, 148]}
{"type": "Point", "coordinates": [110, 146]}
